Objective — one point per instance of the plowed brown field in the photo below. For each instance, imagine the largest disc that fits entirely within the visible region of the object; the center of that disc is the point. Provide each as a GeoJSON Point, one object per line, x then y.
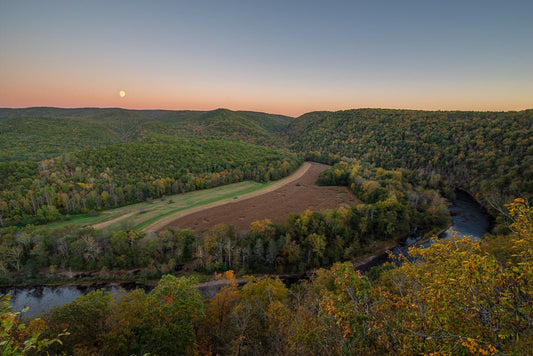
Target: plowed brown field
{"type": "Point", "coordinates": [293, 197]}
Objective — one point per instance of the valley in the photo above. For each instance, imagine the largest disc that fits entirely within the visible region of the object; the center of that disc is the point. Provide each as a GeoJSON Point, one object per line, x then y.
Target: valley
{"type": "Point", "coordinates": [169, 198]}
{"type": "Point", "coordinates": [266, 178]}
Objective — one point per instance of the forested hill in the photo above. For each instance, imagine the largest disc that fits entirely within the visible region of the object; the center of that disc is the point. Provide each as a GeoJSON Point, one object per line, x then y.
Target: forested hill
{"type": "Point", "coordinates": [39, 133]}
{"type": "Point", "coordinates": [117, 175]}
{"type": "Point", "coordinates": [246, 126]}
{"type": "Point", "coordinates": [489, 154]}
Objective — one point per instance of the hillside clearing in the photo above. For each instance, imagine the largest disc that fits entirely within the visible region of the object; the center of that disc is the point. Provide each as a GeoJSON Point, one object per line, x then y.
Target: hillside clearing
{"type": "Point", "coordinates": [131, 216]}
{"type": "Point", "coordinates": [164, 221]}
{"type": "Point", "coordinates": [274, 203]}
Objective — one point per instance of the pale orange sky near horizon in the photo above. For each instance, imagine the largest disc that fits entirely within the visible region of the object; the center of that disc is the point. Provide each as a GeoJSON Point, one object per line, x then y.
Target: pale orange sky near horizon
{"type": "Point", "coordinates": [270, 57]}
{"type": "Point", "coordinates": [278, 102]}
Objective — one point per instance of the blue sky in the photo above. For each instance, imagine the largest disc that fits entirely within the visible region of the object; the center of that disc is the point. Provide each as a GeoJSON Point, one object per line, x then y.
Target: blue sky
{"type": "Point", "coordinates": [286, 57]}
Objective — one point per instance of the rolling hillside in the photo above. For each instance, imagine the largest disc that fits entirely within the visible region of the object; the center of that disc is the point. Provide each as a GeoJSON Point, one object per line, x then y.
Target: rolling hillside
{"type": "Point", "coordinates": [36, 138]}
{"type": "Point", "coordinates": [38, 133]}
{"type": "Point", "coordinates": [121, 174]}
{"type": "Point", "coordinates": [251, 127]}
{"type": "Point", "coordinates": [489, 154]}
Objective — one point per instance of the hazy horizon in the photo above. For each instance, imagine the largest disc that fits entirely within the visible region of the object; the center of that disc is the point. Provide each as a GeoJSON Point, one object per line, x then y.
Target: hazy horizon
{"type": "Point", "coordinates": [278, 57]}
{"type": "Point", "coordinates": [265, 112]}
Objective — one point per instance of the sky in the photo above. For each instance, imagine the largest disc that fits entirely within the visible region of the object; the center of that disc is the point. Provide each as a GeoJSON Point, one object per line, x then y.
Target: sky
{"type": "Point", "coordinates": [285, 57]}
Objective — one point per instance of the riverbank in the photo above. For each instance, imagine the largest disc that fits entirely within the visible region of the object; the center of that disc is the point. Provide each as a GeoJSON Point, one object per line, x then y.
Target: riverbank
{"type": "Point", "coordinates": [134, 278]}
{"type": "Point", "coordinates": [469, 219]}
{"type": "Point", "coordinates": [43, 297]}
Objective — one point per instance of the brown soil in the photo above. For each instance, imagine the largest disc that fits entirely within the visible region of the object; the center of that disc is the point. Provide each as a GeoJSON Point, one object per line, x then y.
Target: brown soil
{"type": "Point", "coordinates": [165, 222]}
{"type": "Point", "coordinates": [294, 197]}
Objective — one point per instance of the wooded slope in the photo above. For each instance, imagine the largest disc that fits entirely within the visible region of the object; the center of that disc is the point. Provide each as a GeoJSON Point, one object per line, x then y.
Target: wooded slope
{"type": "Point", "coordinates": [115, 175]}
{"type": "Point", "coordinates": [489, 154]}
{"type": "Point", "coordinates": [38, 133]}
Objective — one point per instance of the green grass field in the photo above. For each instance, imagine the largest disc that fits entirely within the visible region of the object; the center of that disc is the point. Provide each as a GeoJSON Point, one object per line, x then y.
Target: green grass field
{"type": "Point", "coordinates": [143, 214]}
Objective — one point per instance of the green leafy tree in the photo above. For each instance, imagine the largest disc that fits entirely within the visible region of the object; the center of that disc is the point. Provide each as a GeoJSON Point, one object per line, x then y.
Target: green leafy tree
{"type": "Point", "coordinates": [257, 315]}
{"type": "Point", "coordinates": [84, 318]}
{"type": "Point", "coordinates": [173, 308]}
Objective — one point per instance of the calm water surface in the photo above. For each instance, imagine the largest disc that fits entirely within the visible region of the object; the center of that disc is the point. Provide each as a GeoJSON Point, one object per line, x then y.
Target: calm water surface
{"type": "Point", "coordinates": [42, 299]}
{"type": "Point", "coordinates": [468, 218]}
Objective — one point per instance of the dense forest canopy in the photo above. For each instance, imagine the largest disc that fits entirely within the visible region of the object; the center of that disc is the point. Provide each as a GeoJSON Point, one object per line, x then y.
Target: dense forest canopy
{"type": "Point", "coordinates": [115, 175]}
{"type": "Point", "coordinates": [489, 154]}
{"type": "Point", "coordinates": [38, 133]}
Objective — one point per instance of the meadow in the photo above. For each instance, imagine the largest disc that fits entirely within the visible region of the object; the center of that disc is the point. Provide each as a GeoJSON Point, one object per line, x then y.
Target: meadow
{"type": "Point", "coordinates": [141, 215]}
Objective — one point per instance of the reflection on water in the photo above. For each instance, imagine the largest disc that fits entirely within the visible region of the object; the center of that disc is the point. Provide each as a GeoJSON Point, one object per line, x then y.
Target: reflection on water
{"type": "Point", "coordinates": [468, 219]}
{"type": "Point", "coordinates": [42, 299]}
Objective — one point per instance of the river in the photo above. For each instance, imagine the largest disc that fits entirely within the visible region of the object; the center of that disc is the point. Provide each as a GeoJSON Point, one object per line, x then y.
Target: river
{"type": "Point", "coordinates": [42, 299]}
{"type": "Point", "coordinates": [468, 219]}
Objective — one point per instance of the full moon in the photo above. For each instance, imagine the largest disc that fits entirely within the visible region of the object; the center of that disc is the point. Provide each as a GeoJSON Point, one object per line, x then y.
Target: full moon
{"type": "Point", "coordinates": [122, 93]}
